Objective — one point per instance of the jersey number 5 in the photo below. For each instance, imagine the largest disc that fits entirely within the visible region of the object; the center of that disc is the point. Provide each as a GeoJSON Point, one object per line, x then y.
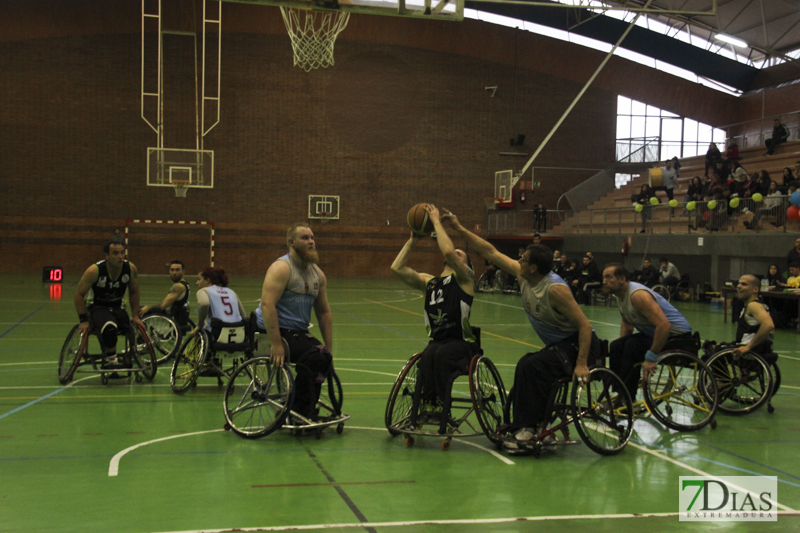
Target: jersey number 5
{"type": "Point", "coordinates": [228, 306]}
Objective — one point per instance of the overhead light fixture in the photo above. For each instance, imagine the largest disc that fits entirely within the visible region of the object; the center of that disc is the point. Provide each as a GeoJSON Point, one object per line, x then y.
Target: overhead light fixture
{"type": "Point", "coordinates": [731, 40]}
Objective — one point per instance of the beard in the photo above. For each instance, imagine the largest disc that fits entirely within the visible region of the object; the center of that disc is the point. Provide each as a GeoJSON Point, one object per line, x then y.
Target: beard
{"type": "Point", "coordinates": [309, 256]}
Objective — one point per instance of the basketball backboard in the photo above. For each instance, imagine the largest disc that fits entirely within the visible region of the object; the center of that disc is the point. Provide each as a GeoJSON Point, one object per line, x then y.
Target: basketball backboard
{"type": "Point", "coordinates": [165, 166]}
{"type": "Point", "coordinates": [323, 207]}
{"type": "Point", "coordinates": [434, 9]}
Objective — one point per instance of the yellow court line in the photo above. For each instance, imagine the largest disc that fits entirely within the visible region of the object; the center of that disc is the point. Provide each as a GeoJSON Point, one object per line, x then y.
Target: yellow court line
{"type": "Point", "coordinates": [483, 331]}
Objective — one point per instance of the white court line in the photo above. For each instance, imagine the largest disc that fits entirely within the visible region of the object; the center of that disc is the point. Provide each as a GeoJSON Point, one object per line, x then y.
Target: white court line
{"type": "Point", "coordinates": [367, 371]}
{"type": "Point", "coordinates": [661, 455]}
{"type": "Point", "coordinates": [37, 363]}
{"type": "Point", "coordinates": [455, 439]}
{"type": "Point", "coordinates": [362, 525]}
{"type": "Point", "coordinates": [113, 466]}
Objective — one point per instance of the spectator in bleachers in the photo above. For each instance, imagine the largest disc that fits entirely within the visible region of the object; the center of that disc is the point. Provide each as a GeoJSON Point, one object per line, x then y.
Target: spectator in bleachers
{"type": "Point", "coordinates": [788, 178]}
{"type": "Point", "coordinates": [736, 170]}
{"type": "Point", "coordinates": [537, 239]}
{"type": "Point", "coordinates": [764, 183]}
{"type": "Point", "coordinates": [780, 134]}
{"type": "Point", "coordinates": [732, 153]}
{"type": "Point", "coordinates": [540, 218]}
{"type": "Point", "coordinates": [712, 156]}
{"type": "Point", "coordinates": [693, 194]}
{"type": "Point", "coordinates": [645, 193]}
{"type": "Point", "coordinates": [773, 201]}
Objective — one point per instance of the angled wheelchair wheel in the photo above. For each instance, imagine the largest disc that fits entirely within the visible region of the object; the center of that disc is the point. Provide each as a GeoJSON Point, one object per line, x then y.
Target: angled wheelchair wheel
{"type": "Point", "coordinates": [165, 336]}
{"type": "Point", "coordinates": [489, 397]}
{"type": "Point", "coordinates": [662, 290]}
{"type": "Point", "coordinates": [603, 412]}
{"type": "Point", "coordinates": [143, 353]}
{"type": "Point", "coordinates": [401, 398]}
{"type": "Point", "coordinates": [335, 393]}
{"type": "Point", "coordinates": [71, 354]}
{"type": "Point", "coordinates": [682, 393]}
{"type": "Point", "coordinates": [484, 283]}
{"type": "Point", "coordinates": [188, 362]}
{"type": "Point", "coordinates": [745, 381]}
{"type": "Point", "coordinates": [258, 397]}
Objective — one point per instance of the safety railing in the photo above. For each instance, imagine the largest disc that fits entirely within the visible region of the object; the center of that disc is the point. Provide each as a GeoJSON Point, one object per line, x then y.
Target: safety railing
{"type": "Point", "coordinates": [728, 215]}
{"type": "Point", "coordinates": [755, 132]}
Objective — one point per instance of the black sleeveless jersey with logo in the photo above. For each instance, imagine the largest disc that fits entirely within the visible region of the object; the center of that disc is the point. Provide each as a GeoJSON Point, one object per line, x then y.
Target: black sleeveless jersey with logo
{"type": "Point", "coordinates": [447, 309]}
{"type": "Point", "coordinates": [109, 292]}
{"type": "Point", "coordinates": [179, 310]}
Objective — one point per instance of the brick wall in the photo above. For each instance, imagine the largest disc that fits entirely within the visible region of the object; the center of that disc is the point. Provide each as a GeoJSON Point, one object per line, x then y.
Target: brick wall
{"type": "Point", "coordinates": [402, 118]}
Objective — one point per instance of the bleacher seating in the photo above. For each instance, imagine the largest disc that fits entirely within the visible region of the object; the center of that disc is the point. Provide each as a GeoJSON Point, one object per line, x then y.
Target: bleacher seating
{"type": "Point", "coordinates": [615, 210]}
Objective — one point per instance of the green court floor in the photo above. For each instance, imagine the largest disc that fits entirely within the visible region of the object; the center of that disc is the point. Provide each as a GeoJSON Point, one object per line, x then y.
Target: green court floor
{"type": "Point", "coordinates": [57, 443]}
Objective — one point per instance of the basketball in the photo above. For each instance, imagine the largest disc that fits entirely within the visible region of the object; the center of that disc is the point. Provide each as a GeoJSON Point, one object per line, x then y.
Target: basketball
{"type": "Point", "coordinates": [418, 220]}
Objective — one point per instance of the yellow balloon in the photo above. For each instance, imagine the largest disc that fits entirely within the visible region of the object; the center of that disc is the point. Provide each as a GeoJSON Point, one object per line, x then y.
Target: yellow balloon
{"type": "Point", "coordinates": [712, 204]}
{"type": "Point", "coordinates": [673, 203]}
{"type": "Point", "coordinates": [654, 201]}
{"type": "Point", "coordinates": [758, 197]}
{"type": "Point", "coordinates": [690, 206]}
{"type": "Point", "coordinates": [638, 208]}
{"type": "Point", "coordinates": [734, 202]}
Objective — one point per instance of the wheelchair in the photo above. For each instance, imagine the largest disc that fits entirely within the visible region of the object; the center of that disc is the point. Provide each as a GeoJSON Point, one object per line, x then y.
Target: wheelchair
{"type": "Point", "coordinates": [137, 355]}
{"type": "Point", "coordinates": [260, 395]}
{"type": "Point", "coordinates": [682, 393]}
{"type": "Point", "coordinates": [600, 409]}
{"type": "Point", "coordinates": [683, 290]}
{"type": "Point", "coordinates": [402, 414]}
{"type": "Point", "coordinates": [165, 335]}
{"type": "Point", "coordinates": [213, 354]}
{"type": "Point", "coordinates": [746, 382]}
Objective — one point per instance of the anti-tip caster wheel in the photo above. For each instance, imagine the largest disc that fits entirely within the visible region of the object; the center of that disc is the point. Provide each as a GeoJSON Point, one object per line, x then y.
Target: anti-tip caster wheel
{"type": "Point", "coordinates": [138, 378]}
{"type": "Point", "coordinates": [226, 427]}
{"type": "Point", "coordinates": [409, 440]}
{"type": "Point", "coordinates": [340, 428]}
{"type": "Point", "coordinates": [318, 434]}
{"type": "Point", "coordinates": [103, 379]}
{"type": "Point", "coordinates": [445, 444]}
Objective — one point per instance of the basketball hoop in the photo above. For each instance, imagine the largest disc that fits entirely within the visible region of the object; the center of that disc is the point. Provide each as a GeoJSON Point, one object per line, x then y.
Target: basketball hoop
{"type": "Point", "coordinates": [313, 34]}
{"type": "Point", "coordinates": [491, 202]}
{"type": "Point", "coordinates": [180, 188]}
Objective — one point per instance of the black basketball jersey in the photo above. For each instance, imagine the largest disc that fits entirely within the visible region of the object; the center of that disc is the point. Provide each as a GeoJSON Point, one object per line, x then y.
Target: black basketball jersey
{"type": "Point", "coordinates": [747, 327]}
{"type": "Point", "coordinates": [447, 309]}
{"type": "Point", "coordinates": [179, 310]}
{"type": "Point", "coordinates": [109, 292]}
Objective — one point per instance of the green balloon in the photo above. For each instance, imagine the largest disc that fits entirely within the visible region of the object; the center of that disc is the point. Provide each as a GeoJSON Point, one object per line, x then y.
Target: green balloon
{"type": "Point", "coordinates": [673, 203]}
{"type": "Point", "coordinates": [654, 201]}
{"type": "Point", "coordinates": [638, 208]}
{"type": "Point", "coordinates": [712, 204]}
{"type": "Point", "coordinates": [734, 202]}
{"type": "Point", "coordinates": [758, 197]}
{"type": "Point", "coordinates": [690, 206]}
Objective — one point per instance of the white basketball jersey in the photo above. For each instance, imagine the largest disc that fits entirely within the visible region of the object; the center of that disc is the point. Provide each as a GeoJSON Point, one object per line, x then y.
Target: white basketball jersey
{"type": "Point", "coordinates": [224, 305]}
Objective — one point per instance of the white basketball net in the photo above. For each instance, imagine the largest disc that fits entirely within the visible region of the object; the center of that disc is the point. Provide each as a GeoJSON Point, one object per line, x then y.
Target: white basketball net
{"type": "Point", "coordinates": [313, 34]}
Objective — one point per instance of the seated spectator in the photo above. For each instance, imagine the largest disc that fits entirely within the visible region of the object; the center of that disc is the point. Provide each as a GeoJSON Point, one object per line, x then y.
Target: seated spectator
{"type": "Point", "coordinates": [589, 278]}
{"type": "Point", "coordinates": [732, 153]}
{"type": "Point", "coordinates": [556, 258]}
{"type": "Point", "coordinates": [712, 156]}
{"type": "Point", "coordinates": [780, 134]}
{"type": "Point", "coordinates": [562, 269]}
{"type": "Point", "coordinates": [669, 274]}
{"type": "Point", "coordinates": [648, 275]}
{"type": "Point", "coordinates": [788, 178]}
{"type": "Point", "coordinates": [737, 171]}
{"type": "Point", "coordinates": [793, 280]}
{"type": "Point", "coordinates": [794, 254]}
{"type": "Point", "coordinates": [773, 202]}
{"type": "Point", "coordinates": [775, 278]}
{"type": "Point", "coordinates": [763, 183]}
